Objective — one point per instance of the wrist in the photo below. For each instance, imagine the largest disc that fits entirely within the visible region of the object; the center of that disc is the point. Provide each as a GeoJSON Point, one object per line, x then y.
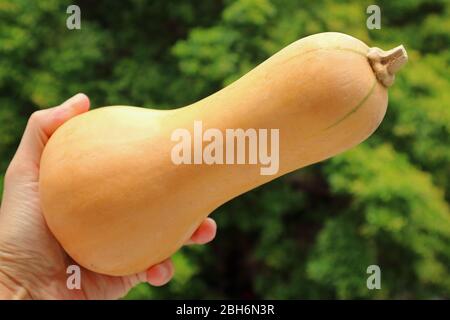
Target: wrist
{"type": "Point", "coordinates": [10, 289]}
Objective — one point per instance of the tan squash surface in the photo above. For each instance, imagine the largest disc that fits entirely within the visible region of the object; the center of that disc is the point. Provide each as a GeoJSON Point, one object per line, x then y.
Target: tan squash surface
{"type": "Point", "coordinates": [118, 204]}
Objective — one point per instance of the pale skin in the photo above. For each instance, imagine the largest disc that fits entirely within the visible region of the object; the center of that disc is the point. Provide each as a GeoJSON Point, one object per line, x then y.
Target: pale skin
{"type": "Point", "coordinates": [32, 263]}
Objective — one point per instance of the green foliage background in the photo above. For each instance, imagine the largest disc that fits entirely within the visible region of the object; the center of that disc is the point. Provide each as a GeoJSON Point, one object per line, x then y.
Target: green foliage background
{"type": "Point", "coordinates": [310, 234]}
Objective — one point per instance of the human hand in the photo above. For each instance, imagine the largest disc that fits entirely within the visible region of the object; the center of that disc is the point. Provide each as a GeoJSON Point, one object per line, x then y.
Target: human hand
{"type": "Point", "coordinates": [32, 263]}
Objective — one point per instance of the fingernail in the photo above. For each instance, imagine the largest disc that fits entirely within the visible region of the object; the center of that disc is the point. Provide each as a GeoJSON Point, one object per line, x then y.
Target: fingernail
{"type": "Point", "coordinates": [75, 102]}
{"type": "Point", "coordinates": [78, 96]}
{"type": "Point", "coordinates": [164, 272]}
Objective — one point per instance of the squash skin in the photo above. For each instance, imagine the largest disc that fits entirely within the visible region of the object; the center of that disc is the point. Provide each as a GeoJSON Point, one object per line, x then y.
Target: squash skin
{"type": "Point", "coordinates": [117, 204]}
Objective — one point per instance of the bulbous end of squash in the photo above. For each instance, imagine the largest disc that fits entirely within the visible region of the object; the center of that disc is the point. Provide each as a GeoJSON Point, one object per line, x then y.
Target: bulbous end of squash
{"type": "Point", "coordinates": [386, 63]}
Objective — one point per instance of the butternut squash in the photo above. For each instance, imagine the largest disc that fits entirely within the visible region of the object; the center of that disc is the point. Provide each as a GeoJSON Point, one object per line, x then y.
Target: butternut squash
{"type": "Point", "coordinates": [118, 204]}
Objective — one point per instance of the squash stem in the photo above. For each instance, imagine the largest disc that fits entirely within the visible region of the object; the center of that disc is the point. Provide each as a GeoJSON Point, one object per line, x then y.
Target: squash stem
{"type": "Point", "coordinates": [386, 63]}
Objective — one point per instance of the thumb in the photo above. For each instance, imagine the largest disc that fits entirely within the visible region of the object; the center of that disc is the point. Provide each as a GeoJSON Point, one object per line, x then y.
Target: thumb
{"type": "Point", "coordinates": [41, 126]}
